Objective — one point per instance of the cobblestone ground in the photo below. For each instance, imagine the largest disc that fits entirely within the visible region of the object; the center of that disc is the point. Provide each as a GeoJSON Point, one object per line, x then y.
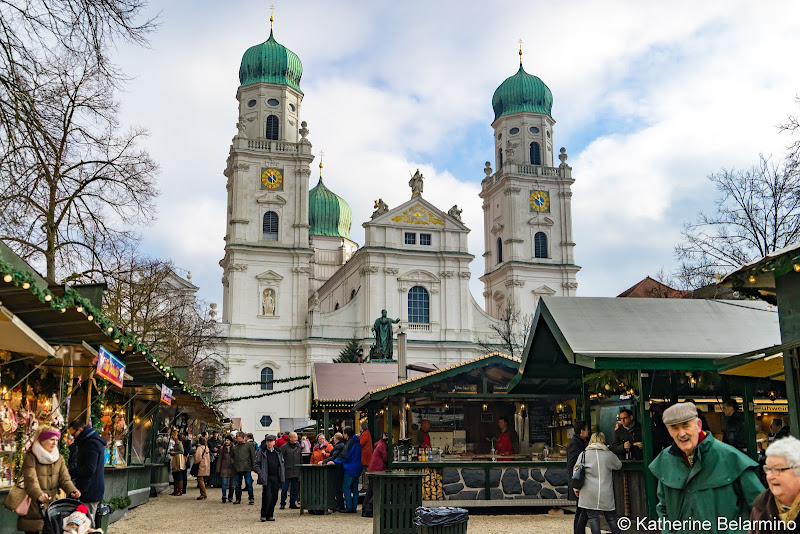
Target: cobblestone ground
{"type": "Point", "coordinates": [186, 515]}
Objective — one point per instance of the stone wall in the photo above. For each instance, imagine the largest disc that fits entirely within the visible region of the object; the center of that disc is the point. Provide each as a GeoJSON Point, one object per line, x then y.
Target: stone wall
{"type": "Point", "coordinates": [469, 483]}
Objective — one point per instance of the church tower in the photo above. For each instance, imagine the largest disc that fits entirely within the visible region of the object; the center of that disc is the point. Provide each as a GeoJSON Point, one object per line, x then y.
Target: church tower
{"type": "Point", "coordinates": [267, 254]}
{"type": "Point", "coordinates": [526, 202]}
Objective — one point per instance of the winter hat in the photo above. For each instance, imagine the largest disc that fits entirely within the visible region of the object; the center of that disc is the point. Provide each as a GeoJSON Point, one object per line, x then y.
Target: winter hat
{"type": "Point", "coordinates": [82, 509]}
{"type": "Point", "coordinates": [679, 413]}
{"type": "Point", "coordinates": [47, 434]}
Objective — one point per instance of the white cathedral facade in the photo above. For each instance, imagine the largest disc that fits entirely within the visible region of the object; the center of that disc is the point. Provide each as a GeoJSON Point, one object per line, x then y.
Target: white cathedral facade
{"type": "Point", "coordinates": [296, 288]}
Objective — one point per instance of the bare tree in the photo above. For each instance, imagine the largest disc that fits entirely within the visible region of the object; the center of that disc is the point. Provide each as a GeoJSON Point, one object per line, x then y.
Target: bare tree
{"type": "Point", "coordinates": [792, 125]}
{"type": "Point", "coordinates": [510, 334]}
{"type": "Point", "coordinates": [72, 181]}
{"type": "Point", "coordinates": [758, 211]}
{"type": "Point", "coordinates": [146, 297]}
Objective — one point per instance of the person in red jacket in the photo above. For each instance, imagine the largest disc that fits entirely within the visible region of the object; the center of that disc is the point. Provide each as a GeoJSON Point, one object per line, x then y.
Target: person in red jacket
{"type": "Point", "coordinates": [282, 440]}
{"type": "Point", "coordinates": [379, 462]}
{"type": "Point", "coordinates": [366, 446]}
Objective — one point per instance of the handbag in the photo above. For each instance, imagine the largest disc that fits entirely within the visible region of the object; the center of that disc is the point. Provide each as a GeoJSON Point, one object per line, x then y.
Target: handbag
{"type": "Point", "coordinates": [18, 501]}
{"type": "Point", "coordinates": [579, 473]}
{"type": "Point", "coordinates": [196, 466]}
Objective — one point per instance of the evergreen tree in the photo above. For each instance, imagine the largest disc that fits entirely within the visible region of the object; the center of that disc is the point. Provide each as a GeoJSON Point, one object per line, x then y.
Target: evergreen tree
{"type": "Point", "coordinates": [349, 353]}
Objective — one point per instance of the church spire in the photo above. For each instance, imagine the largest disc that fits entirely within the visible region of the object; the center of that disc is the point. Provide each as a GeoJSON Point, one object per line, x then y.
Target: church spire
{"type": "Point", "coordinates": [321, 153]}
{"type": "Point", "coordinates": [271, 17]}
{"type": "Point", "coordinates": [520, 53]}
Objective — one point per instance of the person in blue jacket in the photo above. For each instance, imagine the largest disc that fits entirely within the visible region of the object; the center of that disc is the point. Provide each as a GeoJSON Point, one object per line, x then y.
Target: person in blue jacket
{"type": "Point", "coordinates": [87, 471]}
{"type": "Point", "coordinates": [352, 470]}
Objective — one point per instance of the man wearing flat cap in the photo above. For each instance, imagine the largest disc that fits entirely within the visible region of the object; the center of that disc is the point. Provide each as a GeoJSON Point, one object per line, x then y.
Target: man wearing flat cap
{"type": "Point", "coordinates": [702, 481]}
{"type": "Point", "coordinates": [271, 473]}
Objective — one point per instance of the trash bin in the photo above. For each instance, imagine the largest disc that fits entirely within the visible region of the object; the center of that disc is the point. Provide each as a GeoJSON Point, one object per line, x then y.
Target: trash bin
{"type": "Point", "coordinates": [101, 516]}
{"type": "Point", "coordinates": [316, 488]}
{"type": "Point", "coordinates": [396, 495]}
{"type": "Point", "coordinates": [441, 520]}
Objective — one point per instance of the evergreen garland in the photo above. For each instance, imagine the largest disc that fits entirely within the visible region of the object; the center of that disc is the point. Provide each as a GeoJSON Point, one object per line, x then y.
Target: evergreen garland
{"type": "Point", "coordinates": [19, 454]}
{"type": "Point", "coordinates": [268, 394]}
{"type": "Point", "coordinates": [255, 383]}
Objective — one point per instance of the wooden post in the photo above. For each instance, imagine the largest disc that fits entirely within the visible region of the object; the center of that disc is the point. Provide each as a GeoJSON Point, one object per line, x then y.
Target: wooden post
{"type": "Point", "coordinates": [647, 444]}
{"type": "Point", "coordinates": [749, 419]}
{"type": "Point", "coordinates": [790, 369]}
{"type": "Point", "coordinates": [390, 446]}
{"type": "Point", "coordinates": [326, 421]}
{"type": "Point", "coordinates": [89, 398]}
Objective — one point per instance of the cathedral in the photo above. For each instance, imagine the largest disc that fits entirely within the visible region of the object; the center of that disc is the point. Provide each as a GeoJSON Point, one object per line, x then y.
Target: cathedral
{"type": "Point", "coordinates": [296, 287]}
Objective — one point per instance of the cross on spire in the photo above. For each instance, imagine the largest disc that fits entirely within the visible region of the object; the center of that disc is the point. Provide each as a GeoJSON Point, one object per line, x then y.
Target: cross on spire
{"type": "Point", "coordinates": [321, 153]}
{"type": "Point", "coordinates": [271, 16]}
{"type": "Point", "coordinates": [520, 51]}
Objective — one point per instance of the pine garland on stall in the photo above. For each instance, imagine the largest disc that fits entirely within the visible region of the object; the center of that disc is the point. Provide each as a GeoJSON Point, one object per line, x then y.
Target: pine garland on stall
{"type": "Point", "coordinates": [268, 394]}
{"type": "Point", "coordinates": [256, 382]}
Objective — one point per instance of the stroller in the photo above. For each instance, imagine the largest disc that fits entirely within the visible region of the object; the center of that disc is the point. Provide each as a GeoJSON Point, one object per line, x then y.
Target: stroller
{"type": "Point", "coordinates": [55, 514]}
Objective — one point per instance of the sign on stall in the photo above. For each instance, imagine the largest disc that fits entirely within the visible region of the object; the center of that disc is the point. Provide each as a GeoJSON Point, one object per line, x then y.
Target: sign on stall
{"type": "Point", "coordinates": [166, 395]}
{"type": "Point", "coordinates": [110, 368]}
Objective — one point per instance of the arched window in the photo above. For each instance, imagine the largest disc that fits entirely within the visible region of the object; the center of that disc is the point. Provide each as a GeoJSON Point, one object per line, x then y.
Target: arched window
{"type": "Point", "coordinates": [499, 250]}
{"type": "Point", "coordinates": [540, 245]}
{"type": "Point", "coordinates": [272, 127]}
{"type": "Point", "coordinates": [336, 307]}
{"type": "Point", "coordinates": [266, 375]}
{"type": "Point", "coordinates": [536, 154]}
{"type": "Point", "coordinates": [499, 158]}
{"type": "Point", "coordinates": [270, 227]}
{"type": "Point", "coordinates": [353, 294]}
{"type": "Point", "coordinates": [418, 305]}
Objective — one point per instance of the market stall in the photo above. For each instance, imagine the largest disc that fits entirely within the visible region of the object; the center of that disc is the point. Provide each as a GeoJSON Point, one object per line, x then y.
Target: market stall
{"type": "Point", "coordinates": [479, 444]}
{"type": "Point", "coordinates": [643, 353]}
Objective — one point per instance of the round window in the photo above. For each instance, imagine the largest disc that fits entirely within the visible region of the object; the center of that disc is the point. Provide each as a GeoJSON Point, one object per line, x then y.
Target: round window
{"type": "Point", "coordinates": [514, 131]}
{"type": "Point", "coordinates": [533, 129]}
{"type": "Point", "coordinates": [291, 106]}
{"type": "Point", "coordinates": [251, 104]}
{"type": "Point", "coordinates": [273, 102]}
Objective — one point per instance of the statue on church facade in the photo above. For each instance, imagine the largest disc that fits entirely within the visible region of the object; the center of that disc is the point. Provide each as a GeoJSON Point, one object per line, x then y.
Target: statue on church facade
{"type": "Point", "coordinates": [380, 208]}
{"type": "Point", "coordinates": [382, 349]}
{"type": "Point", "coordinates": [455, 213]}
{"type": "Point", "coordinates": [415, 183]}
{"type": "Point", "coordinates": [268, 306]}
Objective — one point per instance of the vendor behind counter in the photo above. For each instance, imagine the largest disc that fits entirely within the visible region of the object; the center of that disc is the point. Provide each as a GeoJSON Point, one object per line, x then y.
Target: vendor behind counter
{"type": "Point", "coordinates": [507, 438]}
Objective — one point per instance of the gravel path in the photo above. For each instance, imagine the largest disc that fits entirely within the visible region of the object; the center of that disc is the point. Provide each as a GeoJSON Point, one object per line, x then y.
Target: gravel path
{"type": "Point", "coordinates": [186, 515]}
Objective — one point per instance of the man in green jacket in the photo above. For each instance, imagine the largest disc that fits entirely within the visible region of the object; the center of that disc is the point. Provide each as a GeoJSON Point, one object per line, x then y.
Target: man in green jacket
{"type": "Point", "coordinates": [704, 485]}
{"type": "Point", "coordinates": [244, 458]}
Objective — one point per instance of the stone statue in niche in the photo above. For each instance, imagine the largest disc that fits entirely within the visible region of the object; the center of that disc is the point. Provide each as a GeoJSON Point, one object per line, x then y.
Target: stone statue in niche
{"type": "Point", "coordinates": [268, 305]}
{"type": "Point", "coordinates": [315, 301]}
{"type": "Point", "coordinates": [415, 183]}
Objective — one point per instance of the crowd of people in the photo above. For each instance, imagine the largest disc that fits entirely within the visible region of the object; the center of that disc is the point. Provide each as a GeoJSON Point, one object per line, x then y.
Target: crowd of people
{"type": "Point", "coordinates": [45, 472]}
{"type": "Point", "coordinates": [276, 462]}
{"type": "Point", "coordinates": [703, 484]}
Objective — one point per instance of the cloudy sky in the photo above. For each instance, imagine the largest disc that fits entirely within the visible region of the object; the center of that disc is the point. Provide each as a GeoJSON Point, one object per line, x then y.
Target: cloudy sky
{"type": "Point", "coordinates": [649, 98]}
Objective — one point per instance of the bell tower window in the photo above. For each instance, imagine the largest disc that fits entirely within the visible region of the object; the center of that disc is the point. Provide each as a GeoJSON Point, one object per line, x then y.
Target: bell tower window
{"type": "Point", "coordinates": [270, 226]}
{"type": "Point", "coordinates": [272, 127]}
{"type": "Point", "coordinates": [500, 158]}
{"type": "Point", "coordinates": [499, 250]}
{"type": "Point", "coordinates": [536, 154]}
{"type": "Point", "coordinates": [540, 245]}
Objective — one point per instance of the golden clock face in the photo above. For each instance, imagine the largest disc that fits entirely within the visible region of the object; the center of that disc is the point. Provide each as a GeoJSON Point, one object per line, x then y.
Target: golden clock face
{"type": "Point", "coordinates": [271, 178]}
{"type": "Point", "coordinates": [540, 201]}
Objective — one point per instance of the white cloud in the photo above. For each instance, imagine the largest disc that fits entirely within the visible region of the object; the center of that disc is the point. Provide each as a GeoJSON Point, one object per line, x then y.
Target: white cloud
{"type": "Point", "coordinates": [649, 99]}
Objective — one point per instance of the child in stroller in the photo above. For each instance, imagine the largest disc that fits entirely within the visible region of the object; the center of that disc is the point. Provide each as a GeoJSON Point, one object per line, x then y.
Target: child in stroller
{"type": "Point", "coordinates": [67, 516]}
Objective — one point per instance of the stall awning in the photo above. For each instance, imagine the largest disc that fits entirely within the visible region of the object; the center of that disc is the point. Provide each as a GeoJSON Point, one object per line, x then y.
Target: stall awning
{"type": "Point", "coordinates": [761, 363]}
{"type": "Point", "coordinates": [336, 384]}
{"type": "Point", "coordinates": [16, 336]}
{"type": "Point", "coordinates": [436, 376]}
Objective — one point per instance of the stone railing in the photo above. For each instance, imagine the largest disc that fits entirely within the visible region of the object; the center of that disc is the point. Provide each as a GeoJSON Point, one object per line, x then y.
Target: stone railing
{"type": "Point", "coordinates": [563, 171]}
{"type": "Point", "coordinates": [419, 327]}
{"type": "Point", "coordinates": [273, 146]}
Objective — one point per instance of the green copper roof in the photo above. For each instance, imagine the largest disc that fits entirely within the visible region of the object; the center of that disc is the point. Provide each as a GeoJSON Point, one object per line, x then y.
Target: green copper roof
{"type": "Point", "coordinates": [270, 62]}
{"type": "Point", "coordinates": [328, 213]}
{"type": "Point", "coordinates": [522, 92]}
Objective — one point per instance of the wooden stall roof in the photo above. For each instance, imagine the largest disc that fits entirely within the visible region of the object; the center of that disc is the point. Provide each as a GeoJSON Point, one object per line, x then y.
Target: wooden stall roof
{"type": "Point", "coordinates": [611, 333]}
{"type": "Point", "coordinates": [435, 376]}
{"type": "Point", "coordinates": [766, 269]}
{"type": "Point", "coordinates": [345, 383]}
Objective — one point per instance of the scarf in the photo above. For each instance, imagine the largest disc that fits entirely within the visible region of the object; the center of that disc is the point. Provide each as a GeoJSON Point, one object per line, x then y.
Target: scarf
{"type": "Point", "coordinates": [788, 513]}
{"type": "Point", "coordinates": [42, 456]}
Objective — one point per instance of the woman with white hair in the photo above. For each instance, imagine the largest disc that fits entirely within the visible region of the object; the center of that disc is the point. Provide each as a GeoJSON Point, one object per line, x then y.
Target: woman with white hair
{"type": "Point", "coordinates": [597, 493]}
{"type": "Point", "coordinates": [776, 510]}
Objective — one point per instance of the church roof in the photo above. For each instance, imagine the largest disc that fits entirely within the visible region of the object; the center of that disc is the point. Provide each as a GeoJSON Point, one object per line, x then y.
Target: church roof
{"type": "Point", "coordinates": [270, 62]}
{"type": "Point", "coordinates": [328, 213]}
{"type": "Point", "coordinates": [651, 288]}
{"type": "Point", "coordinates": [522, 92]}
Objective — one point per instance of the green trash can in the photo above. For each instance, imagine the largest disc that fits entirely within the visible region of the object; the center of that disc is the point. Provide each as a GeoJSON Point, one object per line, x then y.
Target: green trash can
{"type": "Point", "coordinates": [441, 520]}
{"type": "Point", "coordinates": [101, 517]}
{"type": "Point", "coordinates": [316, 488]}
{"type": "Point", "coordinates": [396, 496]}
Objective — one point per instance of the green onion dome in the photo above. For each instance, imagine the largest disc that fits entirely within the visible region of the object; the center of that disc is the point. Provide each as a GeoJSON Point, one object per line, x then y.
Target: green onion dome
{"type": "Point", "coordinates": [328, 213]}
{"type": "Point", "coordinates": [522, 92]}
{"type": "Point", "coordinates": [270, 62]}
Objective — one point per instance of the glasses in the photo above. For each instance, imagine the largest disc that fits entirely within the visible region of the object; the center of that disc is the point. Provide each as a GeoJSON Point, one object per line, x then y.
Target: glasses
{"type": "Point", "coordinates": [775, 470]}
